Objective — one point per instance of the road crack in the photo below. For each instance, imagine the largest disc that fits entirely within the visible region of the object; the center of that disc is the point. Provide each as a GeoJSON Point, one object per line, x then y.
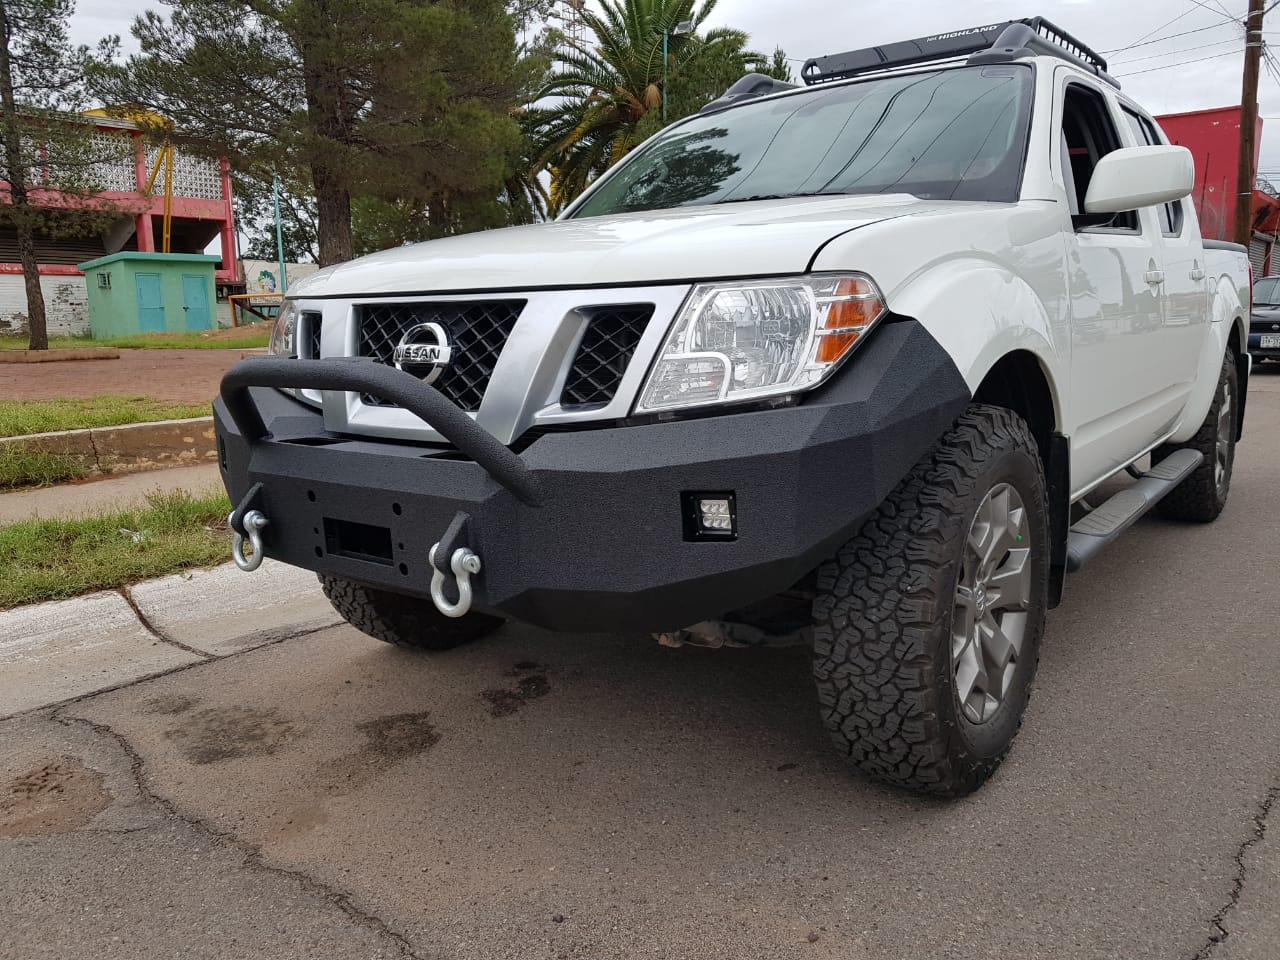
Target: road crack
{"type": "Point", "coordinates": [1219, 921]}
{"type": "Point", "coordinates": [155, 631]}
{"type": "Point", "coordinates": [93, 446]}
{"type": "Point", "coordinates": [253, 858]}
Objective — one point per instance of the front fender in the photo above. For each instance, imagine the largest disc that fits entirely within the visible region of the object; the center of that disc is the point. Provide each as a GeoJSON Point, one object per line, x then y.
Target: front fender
{"type": "Point", "coordinates": [981, 311]}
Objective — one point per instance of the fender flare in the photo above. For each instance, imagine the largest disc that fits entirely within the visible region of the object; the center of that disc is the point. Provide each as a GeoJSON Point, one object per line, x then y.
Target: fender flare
{"type": "Point", "coordinates": [953, 299]}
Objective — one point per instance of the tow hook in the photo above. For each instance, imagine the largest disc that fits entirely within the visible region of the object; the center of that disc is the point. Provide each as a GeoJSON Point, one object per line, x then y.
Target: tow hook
{"type": "Point", "coordinates": [463, 563]}
{"type": "Point", "coordinates": [253, 522]}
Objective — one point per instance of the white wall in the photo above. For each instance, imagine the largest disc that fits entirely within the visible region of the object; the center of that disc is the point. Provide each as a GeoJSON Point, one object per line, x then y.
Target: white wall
{"type": "Point", "coordinates": [65, 304]}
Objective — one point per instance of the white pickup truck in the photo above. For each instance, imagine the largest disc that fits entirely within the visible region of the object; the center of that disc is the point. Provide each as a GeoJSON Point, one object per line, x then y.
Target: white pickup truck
{"type": "Point", "coordinates": [840, 361]}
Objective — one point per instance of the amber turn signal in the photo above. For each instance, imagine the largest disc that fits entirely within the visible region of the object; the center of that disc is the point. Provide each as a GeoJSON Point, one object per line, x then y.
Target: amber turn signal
{"type": "Point", "coordinates": [854, 307]}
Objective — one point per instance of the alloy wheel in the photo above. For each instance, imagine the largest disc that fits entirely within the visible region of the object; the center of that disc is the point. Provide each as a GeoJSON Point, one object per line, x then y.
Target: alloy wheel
{"type": "Point", "coordinates": [993, 599]}
{"type": "Point", "coordinates": [1223, 452]}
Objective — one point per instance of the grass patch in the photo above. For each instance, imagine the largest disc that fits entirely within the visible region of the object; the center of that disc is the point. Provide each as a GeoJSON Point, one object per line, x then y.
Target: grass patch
{"type": "Point", "coordinates": [20, 418]}
{"type": "Point", "coordinates": [55, 343]}
{"type": "Point", "coordinates": [21, 467]}
{"type": "Point", "coordinates": [239, 338]}
{"type": "Point", "coordinates": [208, 340]}
{"type": "Point", "coordinates": [53, 559]}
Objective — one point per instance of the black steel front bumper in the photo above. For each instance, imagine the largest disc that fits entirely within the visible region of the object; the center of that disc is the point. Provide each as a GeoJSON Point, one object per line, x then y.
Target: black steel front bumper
{"type": "Point", "coordinates": [584, 530]}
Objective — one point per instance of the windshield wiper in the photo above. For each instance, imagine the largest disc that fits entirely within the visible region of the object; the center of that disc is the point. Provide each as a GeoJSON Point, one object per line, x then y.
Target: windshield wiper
{"type": "Point", "coordinates": [778, 196]}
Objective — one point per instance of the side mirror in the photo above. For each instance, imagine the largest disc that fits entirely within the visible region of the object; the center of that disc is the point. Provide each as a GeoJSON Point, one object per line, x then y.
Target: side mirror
{"type": "Point", "coordinates": [1134, 177]}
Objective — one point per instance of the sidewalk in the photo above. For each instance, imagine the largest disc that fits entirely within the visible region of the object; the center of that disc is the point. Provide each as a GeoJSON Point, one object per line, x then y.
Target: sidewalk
{"type": "Point", "coordinates": [52, 652]}
{"type": "Point", "coordinates": [98, 496]}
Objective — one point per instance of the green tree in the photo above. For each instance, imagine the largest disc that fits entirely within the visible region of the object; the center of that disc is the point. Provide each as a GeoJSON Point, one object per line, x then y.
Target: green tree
{"type": "Point", "coordinates": [604, 94]}
{"type": "Point", "coordinates": [256, 220]}
{"type": "Point", "coordinates": [390, 99]}
{"type": "Point", "coordinates": [51, 159]}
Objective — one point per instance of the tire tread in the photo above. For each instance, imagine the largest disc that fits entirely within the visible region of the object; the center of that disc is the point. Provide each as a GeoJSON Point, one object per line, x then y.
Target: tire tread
{"type": "Point", "coordinates": [881, 602]}
{"type": "Point", "coordinates": [403, 621]}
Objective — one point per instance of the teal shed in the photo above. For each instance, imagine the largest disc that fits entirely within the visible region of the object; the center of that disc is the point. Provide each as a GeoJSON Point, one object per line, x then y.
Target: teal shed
{"type": "Point", "coordinates": [131, 293]}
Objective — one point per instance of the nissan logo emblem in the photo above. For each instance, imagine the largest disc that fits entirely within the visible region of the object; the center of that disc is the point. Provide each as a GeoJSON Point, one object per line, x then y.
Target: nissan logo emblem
{"type": "Point", "coordinates": [423, 351]}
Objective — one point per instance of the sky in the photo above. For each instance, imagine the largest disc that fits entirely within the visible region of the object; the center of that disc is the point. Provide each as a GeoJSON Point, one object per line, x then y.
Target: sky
{"type": "Point", "coordinates": [1170, 55]}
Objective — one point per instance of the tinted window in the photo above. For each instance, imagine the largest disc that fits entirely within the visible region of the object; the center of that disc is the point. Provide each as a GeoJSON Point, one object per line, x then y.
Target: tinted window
{"type": "Point", "coordinates": [1170, 213]}
{"type": "Point", "coordinates": [1089, 134]}
{"type": "Point", "coordinates": [1265, 292]}
{"type": "Point", "coordinates": [947, 135]}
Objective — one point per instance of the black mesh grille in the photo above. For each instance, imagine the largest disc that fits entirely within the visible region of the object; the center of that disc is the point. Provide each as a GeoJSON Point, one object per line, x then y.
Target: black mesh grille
{"type": "Point", "coordinates": [606, 348]}
{"type": "Point", "coordinates": [477, 333]}
{"type": "Point", "coordinates": [309, 340]}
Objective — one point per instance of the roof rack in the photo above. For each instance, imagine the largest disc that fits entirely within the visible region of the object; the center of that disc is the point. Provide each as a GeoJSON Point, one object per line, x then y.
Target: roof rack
{"type": "Point", "coordinates": [1002, 42]}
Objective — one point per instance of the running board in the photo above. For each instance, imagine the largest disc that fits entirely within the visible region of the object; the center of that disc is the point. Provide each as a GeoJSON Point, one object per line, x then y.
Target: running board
{"type": "Point", "coordinates": [1093, 532]}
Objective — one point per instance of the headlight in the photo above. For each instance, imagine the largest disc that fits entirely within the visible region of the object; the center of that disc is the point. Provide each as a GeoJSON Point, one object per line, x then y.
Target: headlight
{"type": "Point", "coordinates": [759, 338]}
{"type": "Point", "coordinates": [284, 335]}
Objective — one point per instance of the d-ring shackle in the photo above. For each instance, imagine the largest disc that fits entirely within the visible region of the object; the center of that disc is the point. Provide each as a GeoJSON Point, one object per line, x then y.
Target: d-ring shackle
{"type": "Point", "coordinates": [463, 563]}
{"type": "Point", "coordinates": [254, 521]}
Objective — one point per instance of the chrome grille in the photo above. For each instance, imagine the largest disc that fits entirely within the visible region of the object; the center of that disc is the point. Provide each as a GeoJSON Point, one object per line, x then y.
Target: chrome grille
{"type": "Point", "coordinates": [477, 332]}
{"type": "Point", "coordinates": [610, 339]}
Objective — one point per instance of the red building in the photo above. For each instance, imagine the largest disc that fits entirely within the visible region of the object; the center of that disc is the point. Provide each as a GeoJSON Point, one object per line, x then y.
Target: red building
{"type": "Point", "coordinates": [1213, 137]}
{"type": "Point", "coordinates": [200, 214]}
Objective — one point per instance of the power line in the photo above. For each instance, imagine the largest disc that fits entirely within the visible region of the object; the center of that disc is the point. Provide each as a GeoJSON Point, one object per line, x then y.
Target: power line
{"type": "Point", "coordinates": [1170, 53]}
{"type": "Point", "coordinates": [1181, 63]}
{"type": "Point", "coordinates": [1185, 13]}
{"type": "Point", "coordinates": [1172, 36]}
{"type": "Point", "coordinates": [1224, 13]}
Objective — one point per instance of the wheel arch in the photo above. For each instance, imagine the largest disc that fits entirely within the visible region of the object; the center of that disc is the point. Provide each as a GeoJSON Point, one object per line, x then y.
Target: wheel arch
{"type": "Point", "coordinates": [1238, 341]}
{"type": "Point", "coordinates": [1020, 382]}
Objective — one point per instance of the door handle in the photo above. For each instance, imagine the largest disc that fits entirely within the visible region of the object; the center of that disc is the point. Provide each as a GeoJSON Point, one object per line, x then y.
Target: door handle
{"type": "Point", "coordinates": [1197, 274]}
{"type": "Point", "coordinates": [1154, 277]}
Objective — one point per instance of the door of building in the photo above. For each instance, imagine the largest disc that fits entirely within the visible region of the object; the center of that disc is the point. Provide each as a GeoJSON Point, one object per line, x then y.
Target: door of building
{"type": "Point", "coordinates": [195, 301]}
{"type": "Point", "coordinates": [150, 303]}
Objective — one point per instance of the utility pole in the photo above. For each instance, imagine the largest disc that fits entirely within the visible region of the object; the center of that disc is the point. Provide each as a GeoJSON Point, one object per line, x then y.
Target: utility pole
{"type": "Point", "coordinates": [1248, 123]}
{"type": "Point", "coordinates": [275, 199]}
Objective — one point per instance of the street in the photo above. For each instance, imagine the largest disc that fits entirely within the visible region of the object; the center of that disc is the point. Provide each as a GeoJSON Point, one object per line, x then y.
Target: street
{"type": "Point", "coordinates": [541, 795]}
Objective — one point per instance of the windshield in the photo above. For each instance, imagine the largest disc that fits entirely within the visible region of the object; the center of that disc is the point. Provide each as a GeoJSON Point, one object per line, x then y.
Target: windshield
{"type": "Point", "coordinates": [1265, 293]}
{"type": "Point", "coordinates": [946, 135]}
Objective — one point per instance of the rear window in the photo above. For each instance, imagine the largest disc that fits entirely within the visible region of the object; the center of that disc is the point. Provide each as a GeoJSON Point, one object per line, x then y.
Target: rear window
{"type": "Point", "coordinates": [956, 134]}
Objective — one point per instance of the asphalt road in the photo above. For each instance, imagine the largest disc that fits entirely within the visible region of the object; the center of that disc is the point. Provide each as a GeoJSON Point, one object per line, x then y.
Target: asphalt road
{"type": "Point", "coordinates": [547, 796]}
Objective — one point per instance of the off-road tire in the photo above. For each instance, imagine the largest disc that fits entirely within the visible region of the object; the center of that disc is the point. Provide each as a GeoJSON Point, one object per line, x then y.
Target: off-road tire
{"type": "Point", "coordinates": [1200, 497]}
{"type": "Point", "coordinates": [885, 605]}
{"type": "Point", "coordinates": [404, 621]}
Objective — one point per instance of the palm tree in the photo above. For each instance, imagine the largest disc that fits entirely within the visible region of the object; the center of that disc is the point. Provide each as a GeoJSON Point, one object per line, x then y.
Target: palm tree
{"type": "Point", "coordinates": [604, 94]}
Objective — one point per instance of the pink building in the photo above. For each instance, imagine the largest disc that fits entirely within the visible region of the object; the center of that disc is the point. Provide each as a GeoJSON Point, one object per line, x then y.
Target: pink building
{"type": "Point", "coordinates": [201, 213]}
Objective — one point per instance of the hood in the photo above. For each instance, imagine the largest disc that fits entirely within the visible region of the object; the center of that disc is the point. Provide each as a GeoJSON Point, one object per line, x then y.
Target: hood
{"type": "Point", "coordinates": [757, 238]}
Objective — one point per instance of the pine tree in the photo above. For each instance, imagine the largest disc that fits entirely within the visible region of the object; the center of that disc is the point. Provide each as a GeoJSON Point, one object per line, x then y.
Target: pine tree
{"type": "Point", "coordinates": [389, 99]}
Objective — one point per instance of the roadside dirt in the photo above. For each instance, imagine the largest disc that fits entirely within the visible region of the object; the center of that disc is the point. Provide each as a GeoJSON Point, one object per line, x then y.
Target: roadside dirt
{"type": "Point", "coordinates": [56, 797]}
{"type": "Point", "coordinates": [184, 375]}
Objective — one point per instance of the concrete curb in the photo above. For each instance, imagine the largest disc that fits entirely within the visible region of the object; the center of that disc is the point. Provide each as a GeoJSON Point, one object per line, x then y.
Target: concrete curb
{"type": "Point", "coordinates": [67, 649]}
{"type": "Point", "coordinates": [130, 448]}
{"type": "Point", "coordinates": [61, 353]}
